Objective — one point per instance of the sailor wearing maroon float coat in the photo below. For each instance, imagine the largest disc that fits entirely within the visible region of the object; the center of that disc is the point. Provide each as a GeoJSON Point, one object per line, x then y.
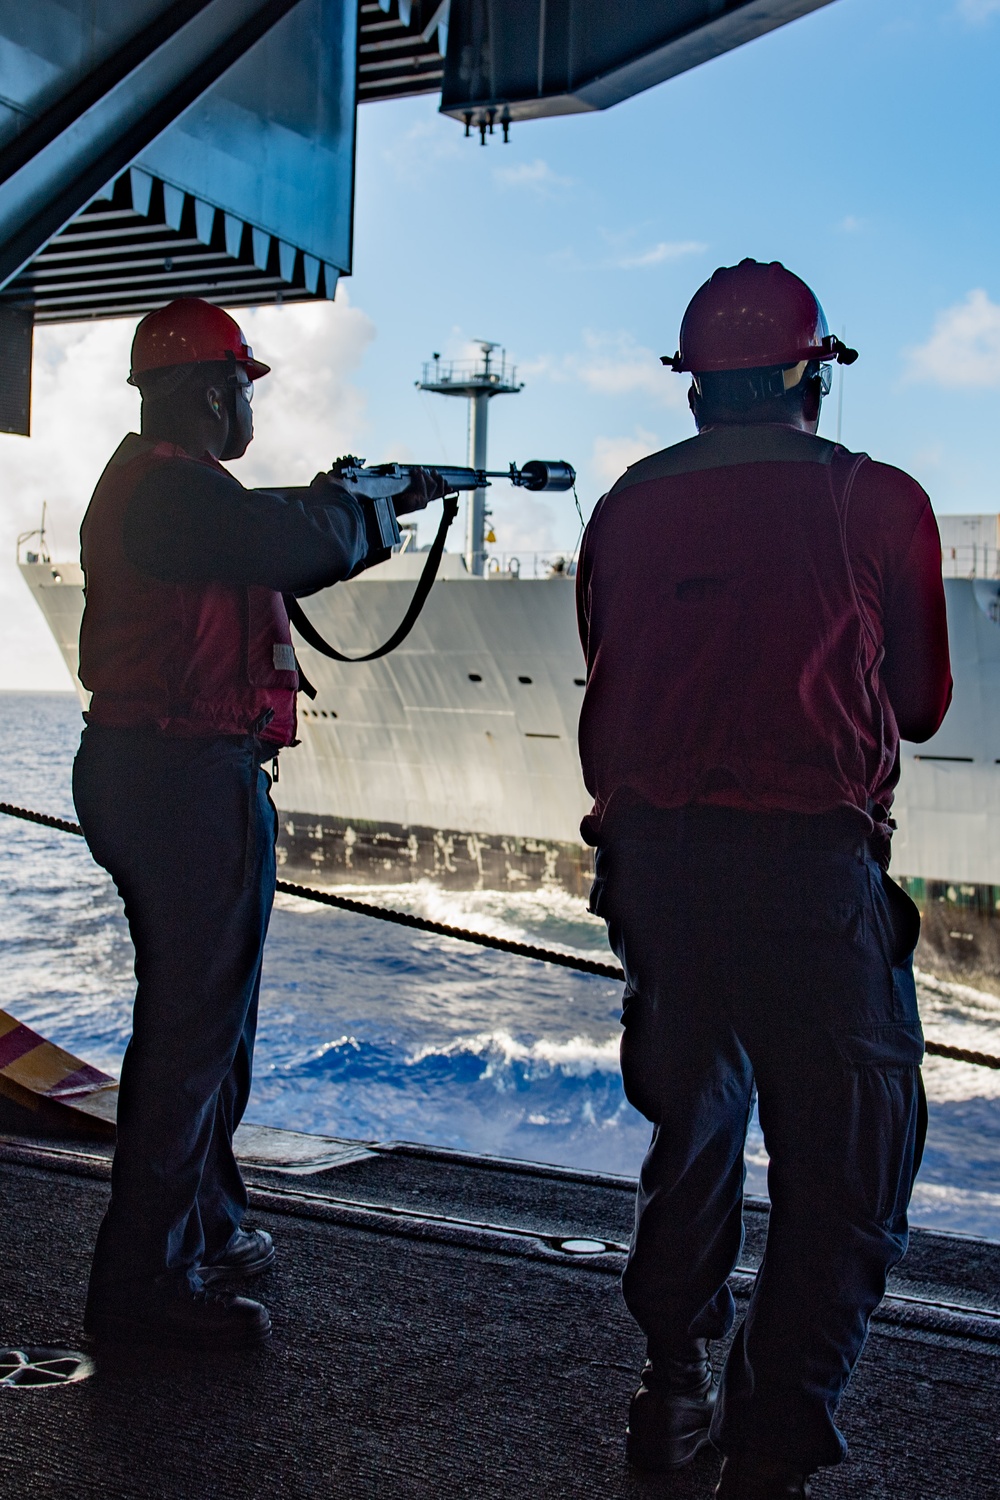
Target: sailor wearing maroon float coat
{"type": "Point", "coordinates": [185, 647]}
{"type": "Point", "coordinates": [763, 617]}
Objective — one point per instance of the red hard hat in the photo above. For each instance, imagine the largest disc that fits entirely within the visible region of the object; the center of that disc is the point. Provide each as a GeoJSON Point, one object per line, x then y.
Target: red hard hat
{"type": "Point", "coordinates": [752, 315]}
{"type": "Point", "coordinates": [190, 332]}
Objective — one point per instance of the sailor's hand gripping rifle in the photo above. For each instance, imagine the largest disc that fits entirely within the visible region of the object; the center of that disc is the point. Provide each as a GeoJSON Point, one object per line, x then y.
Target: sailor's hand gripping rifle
{"type": "Point", "coordinates": [394, 490]}
{"type": "Point", "coordinates": [399, 489]}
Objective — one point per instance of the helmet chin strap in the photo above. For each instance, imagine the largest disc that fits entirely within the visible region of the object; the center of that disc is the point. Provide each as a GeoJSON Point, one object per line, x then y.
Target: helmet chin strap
{"type": "Point", "coordinates": [163, 383]}
{"type": "Point", "coordinates": [769, 383]}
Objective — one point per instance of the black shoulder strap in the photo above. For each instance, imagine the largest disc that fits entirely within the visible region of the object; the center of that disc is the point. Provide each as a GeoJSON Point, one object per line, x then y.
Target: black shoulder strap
{"type": "Point", "coordinates": [311, 635]}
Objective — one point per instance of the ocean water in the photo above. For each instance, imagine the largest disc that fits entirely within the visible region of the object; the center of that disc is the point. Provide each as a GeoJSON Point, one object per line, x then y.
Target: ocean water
{"type": "Point", "coordinates": [374, 1032]}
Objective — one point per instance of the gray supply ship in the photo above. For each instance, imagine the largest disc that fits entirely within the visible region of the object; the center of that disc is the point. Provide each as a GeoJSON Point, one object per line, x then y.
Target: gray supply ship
{"type": "Point", "coordinates": [454, 758]}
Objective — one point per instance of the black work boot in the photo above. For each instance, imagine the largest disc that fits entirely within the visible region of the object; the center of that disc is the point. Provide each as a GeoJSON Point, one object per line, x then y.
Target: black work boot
{"type": "Point", "coordinates": [249, 1252]}
{"type": "Point", "coordinates": [746, 1478]}
{"type": "Point", "coordinates": [179, 1312]}
{"type": "Point", "coordinates": [671, 1412]}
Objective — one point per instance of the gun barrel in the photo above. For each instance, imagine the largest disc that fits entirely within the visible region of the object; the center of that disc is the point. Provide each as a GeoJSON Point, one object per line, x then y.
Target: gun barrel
{"type": "Point", "coordinates": [392, 479]}
{"type": "Point", "coordinates": [538, 475]}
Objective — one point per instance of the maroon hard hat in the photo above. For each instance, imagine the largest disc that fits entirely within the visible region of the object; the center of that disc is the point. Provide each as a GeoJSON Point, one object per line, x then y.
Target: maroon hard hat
{"type": "Point", "coordinates": [752, 315]}
{"type": "Point", "coordinates": [190, 331]}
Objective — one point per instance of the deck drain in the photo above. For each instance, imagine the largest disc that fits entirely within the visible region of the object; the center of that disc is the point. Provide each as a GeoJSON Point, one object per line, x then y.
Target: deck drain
{"type": "Point", "coordinates": [582, 1247]}
{"type": "Point", "coordinates": [37, 1365]}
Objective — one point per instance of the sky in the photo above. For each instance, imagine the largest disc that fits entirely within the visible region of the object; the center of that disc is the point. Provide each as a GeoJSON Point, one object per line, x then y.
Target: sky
{"type": "Point", "coordinates": [858, 144]}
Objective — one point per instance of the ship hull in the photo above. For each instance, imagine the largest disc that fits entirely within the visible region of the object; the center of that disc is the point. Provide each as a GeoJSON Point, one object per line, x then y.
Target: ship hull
{"type": "Point", "coordinates": [343, 851]}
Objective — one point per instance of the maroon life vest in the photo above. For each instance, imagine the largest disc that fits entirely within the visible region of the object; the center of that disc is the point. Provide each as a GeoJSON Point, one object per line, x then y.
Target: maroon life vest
{"type": "Point", "coordinates": [189, 659]}
{"type": "Point", "coordinates": [731, 658]}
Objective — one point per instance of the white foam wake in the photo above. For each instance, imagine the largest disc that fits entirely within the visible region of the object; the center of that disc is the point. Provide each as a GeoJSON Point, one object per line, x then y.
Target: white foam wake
{"type": "Point", "coordinates": [959, 1016]}
{"type": "Point", "coordinates": [578, 1057]}
{"type": "Point", "coordinates": [546, 917]}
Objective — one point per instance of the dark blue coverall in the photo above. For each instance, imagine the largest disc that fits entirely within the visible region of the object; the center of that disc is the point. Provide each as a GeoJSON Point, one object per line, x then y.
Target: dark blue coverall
{"type": "Point", "coordinates": [766, 953]}
{"type": "Point", "coordinates": [187, 829]}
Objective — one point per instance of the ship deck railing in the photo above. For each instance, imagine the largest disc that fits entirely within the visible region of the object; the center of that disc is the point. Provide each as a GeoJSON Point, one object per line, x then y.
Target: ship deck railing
{"type": "Point", "coordinates": [971, 560]}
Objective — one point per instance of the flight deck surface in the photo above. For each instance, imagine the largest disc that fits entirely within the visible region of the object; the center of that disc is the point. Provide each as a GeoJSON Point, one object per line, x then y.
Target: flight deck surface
{"type": "Point", "coordinates": [437, 1334]}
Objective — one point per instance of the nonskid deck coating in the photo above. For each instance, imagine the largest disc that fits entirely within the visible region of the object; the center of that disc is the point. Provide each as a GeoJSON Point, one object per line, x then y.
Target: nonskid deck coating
{"type": "Point", "coordinates": [413, 1356]}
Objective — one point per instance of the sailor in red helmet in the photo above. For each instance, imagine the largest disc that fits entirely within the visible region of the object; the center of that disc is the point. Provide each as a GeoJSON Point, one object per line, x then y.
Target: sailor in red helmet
{"type": "Point", "coordinates": [763, 618]}
{"type": "Point", "coordinates": [186, 650]}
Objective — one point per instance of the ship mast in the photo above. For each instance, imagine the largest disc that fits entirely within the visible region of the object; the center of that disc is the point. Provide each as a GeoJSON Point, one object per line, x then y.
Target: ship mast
{"type": "Point", "coordinates": [477, 382]}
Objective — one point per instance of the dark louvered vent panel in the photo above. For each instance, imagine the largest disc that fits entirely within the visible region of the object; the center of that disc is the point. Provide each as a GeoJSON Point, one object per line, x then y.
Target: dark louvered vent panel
{"type": "Point", "coordinates": [148, 243]}
{"type": "Point", "coordinates": [398, 48]}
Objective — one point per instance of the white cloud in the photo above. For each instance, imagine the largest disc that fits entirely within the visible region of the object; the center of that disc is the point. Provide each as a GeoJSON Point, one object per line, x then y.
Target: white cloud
{"type": "Point", "coordinates": [624, 259]}
{"type": "Point", "coordinates": [978, 11]}
{"type": "Point", "coordinates": [306, 412]}
{"type": "Point", "coordinates": [612, 364]}
{"type": "Point", "coordinates": [849, 224]}
{"type": "Point", "coordinates": [523, 524]}
{"type": "Point", "coordinates": [417, 151]}
{"type": "Point", "coordinates": [964, 348]}
{"type": "Point", "coordinates": [613, 455]}
{"type": "Point", "coordinates": [615, 365]}
{"type": "Point", "coordinates": [537, 176]}
{"type": "Point", "coordinates": [81, 408]}
{"type": "Point", "coordinates": [666, 250]}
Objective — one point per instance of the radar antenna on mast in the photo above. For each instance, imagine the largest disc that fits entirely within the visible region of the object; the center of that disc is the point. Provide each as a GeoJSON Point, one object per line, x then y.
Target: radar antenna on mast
{"type": "Point", "coordinates": [477, 382]}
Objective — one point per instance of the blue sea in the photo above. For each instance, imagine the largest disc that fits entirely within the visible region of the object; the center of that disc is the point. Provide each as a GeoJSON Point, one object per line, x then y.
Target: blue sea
{"type": "Point", "coordinates": [370, 1031]}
